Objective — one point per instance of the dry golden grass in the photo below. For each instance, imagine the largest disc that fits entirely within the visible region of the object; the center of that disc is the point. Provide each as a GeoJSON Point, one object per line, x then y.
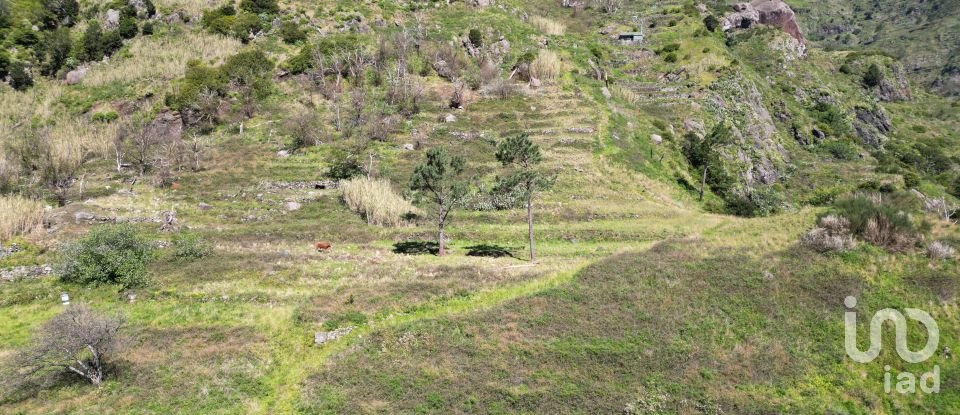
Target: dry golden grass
{"type": "Point", "coordinates": [625, 94]}
{"type": "Point", "coordinates": [19, 216]}
{"type": "Point", "coordinates": [161, 58]}
{"type": "Point", "coordinates": [548, 26]}
{"type": "Point", "coordinates": [376, 201]}
{"type": "Point", "coordinates": [546, 66]}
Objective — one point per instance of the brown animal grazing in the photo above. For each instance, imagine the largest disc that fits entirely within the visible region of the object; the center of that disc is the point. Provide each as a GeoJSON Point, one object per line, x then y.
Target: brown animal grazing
{"type": "Point", "coordinates": [322, 246]}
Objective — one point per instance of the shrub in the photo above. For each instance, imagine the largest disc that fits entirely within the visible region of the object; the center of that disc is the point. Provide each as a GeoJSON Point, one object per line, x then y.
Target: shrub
{"type": "Point", "coordinates": [57, 45]}
{"type": "Point", "coordinates": [546, 66]}
{"type": "Point", "coordinates": [4, 63]}
{"type": "Point", "coordinates": [873, 76]}
{"type": "Point", "coordinates": [833, 235]}
{"type": "Point", "coordinates": [78, 341]}
{"type": "Point", "coordinates": [670, 58]}
{"type": "Point", "coordinates": [940, 250]}
{"type": "Point", "coordinates": [344, 165]}
{"type": "Point", "coordinates": [20, 78]}
{"type": "Point", "coordinates": [190, 246]}
{"type": "Point", "coordinates": [842, 150]}
{"type": "Point", "coordinates": [245, 25]}
{"type": "Point", "coordinates": [375, 200]}
{"type": "Point", "coordinates": [147, 29]}
{"type": "Point", "coordinates": [128, 27]}
{"type": "Point", "coordinates": [476, 38]}
{"type": "Point", "coordinates": [260, 6]}
{"type": "Point", "coordinates": [711, 22]}
{"type": "Point", "coordinates": [114, 254]}
{"type": "Point", "coordinates": [881, 224]}
{"type": "Point", "coordinates": [60, 12]}
{"type": "Point", "coordinates": [20, 216]}
{"type": "Point", "coordinates": [91, 47]}
{"type": "Point", "coordinates": [290, 32]}
{"type": "Point", "coordinates": [108, 116]}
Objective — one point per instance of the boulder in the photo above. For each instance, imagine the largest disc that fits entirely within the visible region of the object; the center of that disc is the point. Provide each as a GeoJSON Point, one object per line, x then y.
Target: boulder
{"type": "Point", "coordinates": [291, 206]}
{"type": "Point", "coordinates": [283, 154]}
{"type": "Point", "coordinates": [112, 21]}
{"type": "Point", "coordinates": [769, 12]}
{"type": "Point", "coordinates": [449, 118]}
{"type": "Point", "coordinates": [409, 146]}
{"type": "Point", "coordinates": [322, 337]}
{"type": "Point", "coordinates": [656, 138]}
{"type": "Point", "coordinates": [83, 217]}
{"type": "Point", "coordinates": [75, 76]}
{"type": "Point", "coordinates": [535, 83]}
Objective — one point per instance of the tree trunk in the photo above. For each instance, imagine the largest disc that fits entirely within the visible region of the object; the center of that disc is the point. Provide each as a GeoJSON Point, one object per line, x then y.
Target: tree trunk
{"type": "Point", "coordinates": [530, 227]}
{"type": "Point", "coordinates": [441, 251]}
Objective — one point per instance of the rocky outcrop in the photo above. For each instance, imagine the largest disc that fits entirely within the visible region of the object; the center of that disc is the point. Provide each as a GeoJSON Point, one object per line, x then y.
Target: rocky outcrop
{"type": "Point", "coordinates": [167, 127]}
{"type": "Point", "coordinates": [75, 76]}
{"type": "Point", "coordinates": [895, 88]}
{"type": "Point", "coordinates": [750, 150]}
{"type": "Point", "coordinates": [872, 126]}
{"type": "Point", "coordinates": [768, 12]}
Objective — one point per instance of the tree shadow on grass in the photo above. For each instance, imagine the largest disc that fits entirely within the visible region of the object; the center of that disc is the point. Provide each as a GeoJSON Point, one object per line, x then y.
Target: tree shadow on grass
{"type": "Point", "coordinates": [492, 251]}
{"type": "Point", "coordinates": [416, 248]}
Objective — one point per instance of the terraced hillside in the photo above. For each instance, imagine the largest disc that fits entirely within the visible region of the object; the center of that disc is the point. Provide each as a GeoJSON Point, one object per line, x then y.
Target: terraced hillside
{"type": "Point", "coordinates": [238, 184]}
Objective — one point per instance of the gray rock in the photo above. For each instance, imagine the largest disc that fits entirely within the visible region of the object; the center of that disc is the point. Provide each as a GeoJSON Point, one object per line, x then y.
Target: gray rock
{"type": "Point", "coordinates": [112, 21]}
{"type": "Point", "coordinates": [656, 138]}
{"type": "Point", "coordinates": [408, 147]}
{"type": "Point", "coordinates": [75, 76]}
{"type": "Point", "coordinates": [535, 82]}
{"type": "Point", "coordinates": [292, 206]}
{"type": "Point", "coordinates": [450, 118]}
{"type": "Point", "coordinates": [283, 154]}
{"type": "Point", "coordinates": [81, 217]}
{"type": "Point", "coordinates": [24, 272]}
{"type": "Point", "coordinates": [322, 337]}
{"type": "Point", "coordinates": [204, 206]}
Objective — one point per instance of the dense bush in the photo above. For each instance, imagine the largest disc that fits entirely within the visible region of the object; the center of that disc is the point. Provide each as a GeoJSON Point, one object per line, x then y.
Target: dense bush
{"type": "Point", "coordinates": [842, 150]}
{"type": "Point", "coordinates": [343, 165]}
{"type": "Point", "coordinates": [4, 63]}
{"type": "Point", "coordinates": [476, 38]}
{"type": "Point", "coordinates": [873, 76]}
{"type": "Point", "coordinates": [56, 51]}
{"type": "Point", "coordinates": [879, 222]}
{"type": "Point", "coordinates": [249, 70]}
{"type": "Point", "coordinates": [128, 27]}
{"type": "Point", "coordinates": [190, 246]}
{"type": "Point", "coordinates": [290, 32]}
{"type": "Point", "coordinates": [114, 254]}
{"type": "Point", "coordinates": [20, 78]}
{"type": "Point", "coordinates": [260, 6]}
{"type": "Point", "coordinates": [711, 22]}
{"type": "Point", "coordinates": [96, 44]}
{"type": "Point", "coordinates": [57, 12]}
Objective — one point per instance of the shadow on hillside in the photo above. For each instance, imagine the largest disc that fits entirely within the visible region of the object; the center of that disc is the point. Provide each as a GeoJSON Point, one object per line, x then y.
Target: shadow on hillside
{"type": "Point", "coordinates": [492, 251]}
{"type": "Point", "coordinates": [416, 248]}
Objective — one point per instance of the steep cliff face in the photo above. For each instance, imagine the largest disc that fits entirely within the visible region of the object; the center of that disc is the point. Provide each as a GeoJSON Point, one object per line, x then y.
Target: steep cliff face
{"type": "Point", "coordinates": [769, 12]}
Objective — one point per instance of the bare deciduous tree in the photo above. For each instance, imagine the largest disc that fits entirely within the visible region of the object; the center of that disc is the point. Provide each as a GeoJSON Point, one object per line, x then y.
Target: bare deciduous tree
{"type": "Point", "coordinates": [78, 340]}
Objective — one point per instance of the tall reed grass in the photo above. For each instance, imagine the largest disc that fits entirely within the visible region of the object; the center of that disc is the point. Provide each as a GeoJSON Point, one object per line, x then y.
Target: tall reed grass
{"type": "Point", "coordinates": [548, 26]}
{"type": "Point", "coordinates": [19, 216]}
{"type": "Point", "coordinates": [546, 66]}
{"type": "Point", "coordinates": [376, 201]}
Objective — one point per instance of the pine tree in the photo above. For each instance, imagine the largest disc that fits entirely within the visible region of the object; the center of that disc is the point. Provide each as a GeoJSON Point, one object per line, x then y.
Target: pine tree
{"type": "Point", "coordinates": [526, 179]}
{"type": "Point", "coordinates": [439, 178]}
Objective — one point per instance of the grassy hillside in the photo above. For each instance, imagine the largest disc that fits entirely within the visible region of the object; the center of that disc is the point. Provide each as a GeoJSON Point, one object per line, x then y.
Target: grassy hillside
{"type": "Point", "coordinates": [676, 273]}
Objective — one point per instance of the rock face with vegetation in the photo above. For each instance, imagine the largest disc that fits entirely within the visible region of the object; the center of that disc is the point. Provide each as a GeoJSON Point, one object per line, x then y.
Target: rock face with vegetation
{"type": "Point", "coordinates": [477, 207]}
